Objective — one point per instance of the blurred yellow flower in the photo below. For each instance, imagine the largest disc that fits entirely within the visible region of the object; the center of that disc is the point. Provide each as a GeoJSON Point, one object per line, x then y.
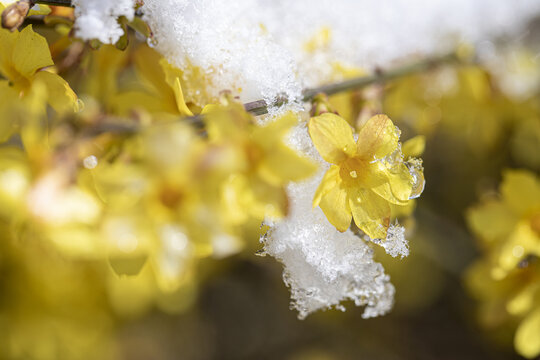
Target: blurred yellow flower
{"type": "Point", "coordinates": [162, 90]}
{"type": "Point", "coordinates": [263, 163]}
{"type": "Point", "coordinates": [366, 176]}
{"type": "Point", "coordinates": [507, 277]}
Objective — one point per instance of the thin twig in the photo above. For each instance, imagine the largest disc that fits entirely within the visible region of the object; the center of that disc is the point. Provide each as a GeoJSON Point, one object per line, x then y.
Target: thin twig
{"type": "Point", "coordinates": [66, 3]}
{"type": "Point", "coordinates": [259, 107]}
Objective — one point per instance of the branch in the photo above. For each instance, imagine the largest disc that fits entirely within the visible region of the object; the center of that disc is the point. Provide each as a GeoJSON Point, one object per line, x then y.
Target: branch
{"type": "Point", "coordinates": [66, 3]}
{"type": "Point", "coordinates": [259, 107]}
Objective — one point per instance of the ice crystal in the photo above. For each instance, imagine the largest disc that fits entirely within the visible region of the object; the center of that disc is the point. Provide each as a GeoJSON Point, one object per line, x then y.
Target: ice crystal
{"type": "Point", "coordinates": [395, 243]}
{"type": "Point", "coordinates": [98, 19]}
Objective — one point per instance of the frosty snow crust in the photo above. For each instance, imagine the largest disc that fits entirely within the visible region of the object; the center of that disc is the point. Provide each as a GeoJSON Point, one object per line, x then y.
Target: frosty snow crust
{"type": "Point", "coordinates": [97, 19]}
{"type": "Point", "coordinates": [257, 48]}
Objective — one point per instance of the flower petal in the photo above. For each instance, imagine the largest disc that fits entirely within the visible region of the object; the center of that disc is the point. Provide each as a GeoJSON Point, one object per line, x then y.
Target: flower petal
{"type": "Point", "coordinates": [521, 191]}
{"type": "Point", "coordinates": [522, 242]}
{"type": "Point", "coordinates": [414, 146]}
{"type": "Point", "coordinates": [269, 201]}
{"type": "Point", "coordinates": [150, 68]}
{"type": "Point", "coordinates": [172, 77]}
{"type": "Point", "coordinates": [398, 186]}
{"type": "Point", "coordinates": [329, 181]}
{"type": "Point", "coordinates": [370, 212]}
{"type": "Point", "coordinates": [269, 135]}
{"type": "Point", "coordinates": [377, 138]}
{"type": "Point", "coordinates": [30, 52]}
{"type": "Point", "coordinates": [527, 341]}
{"type": "Point", "coordinates": [7, 41]}
{"type": "Point", "coordinates": [284, 164]}
{"type": "Point", "coordinates": [491, 221]}
{"type": "Point", "coordinates": [335, 207]}
{"type": "Point", "coordinates": [60, 96]}
{"type": "Point", "coordinates": [333, 137]}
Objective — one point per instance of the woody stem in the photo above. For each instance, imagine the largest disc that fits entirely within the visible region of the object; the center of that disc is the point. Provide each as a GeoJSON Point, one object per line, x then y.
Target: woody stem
{"type": "Point", "coordinates": [55, 2]}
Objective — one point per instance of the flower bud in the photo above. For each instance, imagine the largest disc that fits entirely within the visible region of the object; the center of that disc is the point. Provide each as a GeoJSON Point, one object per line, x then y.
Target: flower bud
{"type": "Point", "coordinates": [320, 105]}
{"type": "Point", "coordinates": [13, 16]}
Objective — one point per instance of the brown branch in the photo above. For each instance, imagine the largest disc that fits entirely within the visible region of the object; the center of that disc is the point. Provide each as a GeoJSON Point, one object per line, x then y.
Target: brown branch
{"type": "Point", "coordinates": [66, 3]}
{"type": "Point", "coordinates": [260, 107]}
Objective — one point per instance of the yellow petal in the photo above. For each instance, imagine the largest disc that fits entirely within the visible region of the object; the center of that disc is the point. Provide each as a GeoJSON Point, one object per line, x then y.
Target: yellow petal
{"type": "Point", "coordinates": [270, 201]}
{"type": "Point", "coordinates": [60, 96]}
{"type": "Point", "coordinates": [7, 42]}
{"type": "Point", "coordinates": [180, 102]}
{"type": "Point", "coordinates": [172, 77]}
{"type": "Point", "coordinates": [105, 66]}
{"type": "Point", "coordinates": [329, 181]}
{"type": "Point", "coordinates": [269, 135]}
{"type": "Point", "coordinates": [236, 198]}
{"type": "Point", "coordinates": [492, 220]}
{"type": "Point", "coordinates": [31, 52]}
{"type": "Point", "coordinates": [278, 128]}
{"type": "Point", "coordinates": [209, 108]}
{"type": "Point", "coordinates": [335, 207]}
{"type": "Point", "coordinates": [527, 339]}
{"type": "Point", "coordinates": [8, 122]}
{"type": "Point", "coordinates": [227, 123]}
{"type": "Point", "coordinates": [398, 186]}
{"type": "Point", "coordinates": [283, 165]}
{"type": "Point", "coordinates": [76, 241]}
{"type": "Point", "coordinates": [147, 63]}
{"type": "Point", "coordinates": [333, 137]}
{"type": "Point", "coordinates": [522, 242]}
{"type": "Point", "coordinates": [124, 102]}
{"type": "Point", "coordinates": [414, 147]}
{"type": "Point", "coordinates": [370, 212]}
{"type": "Point", "coordinates": [523, 301]}
{"type": "Point", "coordinates": [377, 138]}
{"type": "Point", "coordinates": [401, 211]}
{"type": "Point", "coordinates": [128, 265]}
{"type": "Point", "coordinates": [521, 191]}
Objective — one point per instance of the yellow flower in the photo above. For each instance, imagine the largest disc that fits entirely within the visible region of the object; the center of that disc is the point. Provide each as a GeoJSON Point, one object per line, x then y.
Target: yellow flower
{"type": "Point", "coordinates": [510, 226]}
{"type": "Point", "coordinates": [23, 57]}
{"type": "Point", "coordinates": [365, 177]}
{"type": "Point", "coordinates": [263, 164]}
{"type": "Point", "coordinates": [507, 279]}
{"type": "Point", "coordinates": [162, 86]}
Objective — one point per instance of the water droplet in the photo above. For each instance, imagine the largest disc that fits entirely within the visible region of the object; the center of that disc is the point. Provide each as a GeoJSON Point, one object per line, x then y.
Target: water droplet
{"type": "Point", "coordinates": [518, 251]}
{"type": "Point", "coordinates": [152, 41]}
{"type": "Point", "coordinates": [80, 106]}
{"type": "Point", "coordinates": [418, 180]}
{"type": "Point", "coordinates": [90, 162]}
{"type": "Point", "coordinates": [353, 174]}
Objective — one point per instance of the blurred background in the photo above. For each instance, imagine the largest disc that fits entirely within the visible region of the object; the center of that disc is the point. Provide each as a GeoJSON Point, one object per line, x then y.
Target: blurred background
{"type": "Point", "coordinates": [480, 119]}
